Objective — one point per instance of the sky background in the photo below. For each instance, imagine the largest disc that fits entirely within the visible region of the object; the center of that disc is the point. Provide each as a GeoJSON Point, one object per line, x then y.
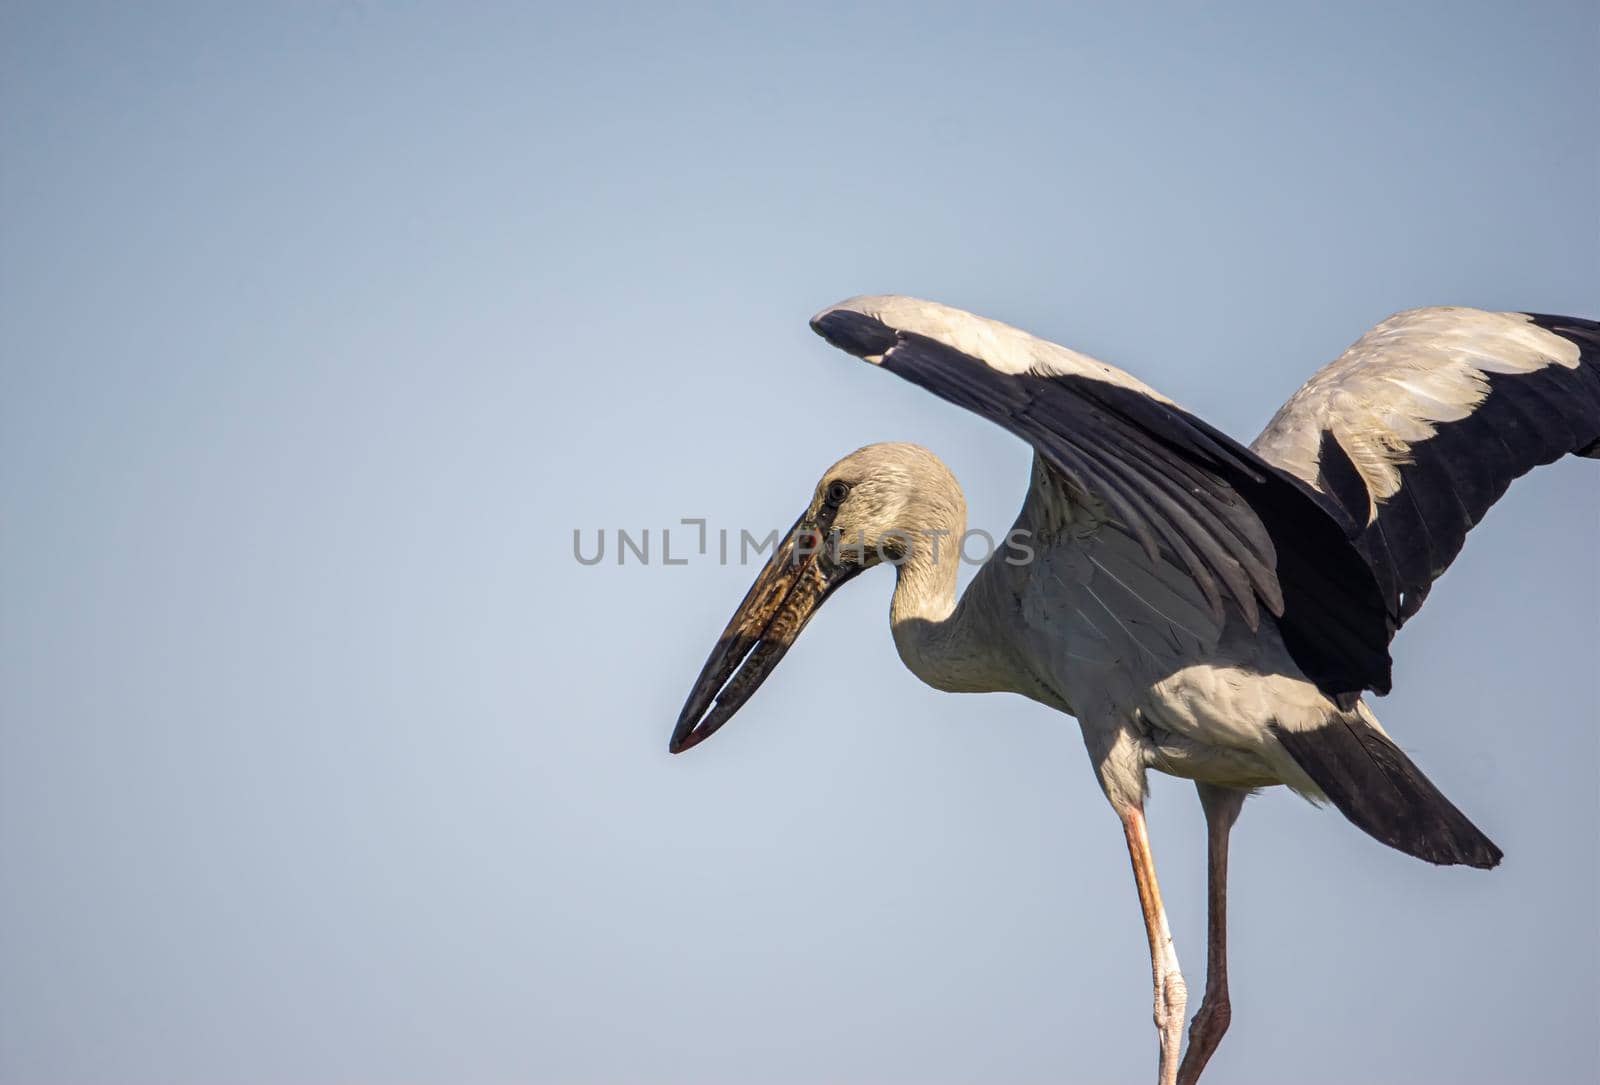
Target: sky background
{"type": "Point", "coordinates": [323, 326]}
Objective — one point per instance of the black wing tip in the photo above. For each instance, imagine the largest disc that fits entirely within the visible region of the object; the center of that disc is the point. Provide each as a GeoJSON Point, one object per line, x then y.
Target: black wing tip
{"type": "Point", "coordinates": [1577, 330]}
{"type": "Point", "coordinates": [854, 333]}
{"type": "Point", "coordinates": [1559, 325]}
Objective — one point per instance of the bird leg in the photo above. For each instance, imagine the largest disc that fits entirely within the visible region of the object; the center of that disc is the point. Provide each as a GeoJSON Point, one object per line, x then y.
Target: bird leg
{"type": "Point", "coordinates": [1222, 805]}
{"type": "Point", "coordinates": [1171, 995]}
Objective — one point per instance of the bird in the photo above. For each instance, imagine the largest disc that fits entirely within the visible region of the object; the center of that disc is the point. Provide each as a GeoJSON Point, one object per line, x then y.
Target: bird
{"type": "Point", "coordinates": [1205, 609]}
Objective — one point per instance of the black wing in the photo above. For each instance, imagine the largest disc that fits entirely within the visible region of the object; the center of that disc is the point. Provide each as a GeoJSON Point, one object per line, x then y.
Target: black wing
{"type": "Point", "coordinates": [1244, 529]}
{"type": "Point", "coordinates": [1422, 424]}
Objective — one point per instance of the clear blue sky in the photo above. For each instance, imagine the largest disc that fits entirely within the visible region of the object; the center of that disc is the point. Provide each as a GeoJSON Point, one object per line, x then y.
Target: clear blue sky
{"type": "Point", "coordinates": [322, 326]}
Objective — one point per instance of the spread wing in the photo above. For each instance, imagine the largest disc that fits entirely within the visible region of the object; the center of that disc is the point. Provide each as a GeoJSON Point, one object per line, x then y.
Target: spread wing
{"type": "Point", "coordinates": [1245, 534]}
{"type": "Point", "coordinates": [1422, 424]}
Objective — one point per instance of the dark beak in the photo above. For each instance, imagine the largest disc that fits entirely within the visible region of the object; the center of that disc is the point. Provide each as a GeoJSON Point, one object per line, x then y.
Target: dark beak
{"type": "Point", "coordinates": [794, 583]}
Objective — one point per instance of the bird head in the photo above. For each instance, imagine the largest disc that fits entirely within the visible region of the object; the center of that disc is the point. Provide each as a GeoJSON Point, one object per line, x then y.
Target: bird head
{"type": "Point", "coordinates": [882, 504]}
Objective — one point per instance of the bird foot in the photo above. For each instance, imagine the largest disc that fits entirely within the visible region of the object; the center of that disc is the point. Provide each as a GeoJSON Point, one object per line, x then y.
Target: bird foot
{"type": "Point", "coordinates": [1205, 1033]}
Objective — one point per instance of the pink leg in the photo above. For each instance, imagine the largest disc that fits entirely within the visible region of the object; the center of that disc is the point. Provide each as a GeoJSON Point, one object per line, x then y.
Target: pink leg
{"type": "Point", "coordinates": [1222, 807]}
{"type": "Point", "coordinates": [1171, 996]}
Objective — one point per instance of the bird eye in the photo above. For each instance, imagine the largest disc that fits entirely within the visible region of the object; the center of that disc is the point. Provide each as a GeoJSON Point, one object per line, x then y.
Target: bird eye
{"type": "Point", "coordinates": [837, 492]}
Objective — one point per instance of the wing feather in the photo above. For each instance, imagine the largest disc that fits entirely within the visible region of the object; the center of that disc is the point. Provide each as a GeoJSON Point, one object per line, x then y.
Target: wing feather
{"type": "Point", "coordinates": [1196, 502]}
{"type": "Point", "coordinates": [1436, 412]}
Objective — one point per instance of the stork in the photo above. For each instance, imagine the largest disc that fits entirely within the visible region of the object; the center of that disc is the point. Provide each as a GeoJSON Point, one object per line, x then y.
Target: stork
{"type": "Point", "coordinates": [1205, 609]}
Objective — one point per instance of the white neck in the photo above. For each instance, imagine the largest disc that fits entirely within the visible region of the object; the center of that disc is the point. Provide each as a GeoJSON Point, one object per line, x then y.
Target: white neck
{"type": "Point", "coordinates": [935, 636]}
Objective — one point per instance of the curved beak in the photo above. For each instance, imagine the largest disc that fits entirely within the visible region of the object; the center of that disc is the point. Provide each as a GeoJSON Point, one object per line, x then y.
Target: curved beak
{"type": "Point", "coordinates": [793, 585]}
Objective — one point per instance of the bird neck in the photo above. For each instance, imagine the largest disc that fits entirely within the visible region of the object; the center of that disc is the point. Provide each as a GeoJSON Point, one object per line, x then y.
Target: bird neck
{"type": "Point", "coordinates": [931, 629]}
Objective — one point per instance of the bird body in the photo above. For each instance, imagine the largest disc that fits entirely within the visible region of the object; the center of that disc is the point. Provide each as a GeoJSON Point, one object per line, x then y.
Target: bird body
{"type": "Point", "coordinates": [1204, 609]}
{"type": "Point", "coordinates": [1156, 686]}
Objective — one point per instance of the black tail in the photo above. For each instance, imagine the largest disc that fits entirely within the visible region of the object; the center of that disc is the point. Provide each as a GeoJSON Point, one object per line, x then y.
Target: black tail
{"type": "Point", "coordinates": [1375, 785]}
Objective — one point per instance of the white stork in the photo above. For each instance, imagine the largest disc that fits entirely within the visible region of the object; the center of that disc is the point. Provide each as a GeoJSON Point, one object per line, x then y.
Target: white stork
{"type": "Point", "coordinates": [1211, 611]}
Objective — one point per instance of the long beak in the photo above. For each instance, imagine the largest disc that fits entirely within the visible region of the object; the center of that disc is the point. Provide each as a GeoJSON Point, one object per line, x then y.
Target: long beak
{"type": "Point", "coordinates": [794, 583]}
